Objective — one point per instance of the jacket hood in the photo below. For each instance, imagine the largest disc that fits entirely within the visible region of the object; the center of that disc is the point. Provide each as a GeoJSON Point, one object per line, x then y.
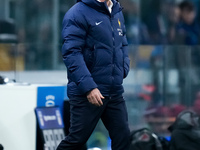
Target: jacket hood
{"type": "Point", "coordinates": [102, 6]}
{"type": "Point", "coordinates": [186, 120]}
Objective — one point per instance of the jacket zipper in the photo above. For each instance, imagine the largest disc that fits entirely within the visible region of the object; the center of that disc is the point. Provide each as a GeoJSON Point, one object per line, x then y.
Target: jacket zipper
{"type": "Point", "coordinates": [111, 16]}
{"type": "Point", "coordinates": [113, 48]}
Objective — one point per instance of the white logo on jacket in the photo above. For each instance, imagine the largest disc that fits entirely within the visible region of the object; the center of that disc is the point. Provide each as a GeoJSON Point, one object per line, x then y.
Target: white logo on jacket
{"type": "Point", "coordinates": [98, 23]}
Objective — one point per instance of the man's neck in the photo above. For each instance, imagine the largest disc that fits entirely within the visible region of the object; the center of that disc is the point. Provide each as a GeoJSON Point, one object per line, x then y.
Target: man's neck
{"type": "Point", "coordinates": [108, 2]}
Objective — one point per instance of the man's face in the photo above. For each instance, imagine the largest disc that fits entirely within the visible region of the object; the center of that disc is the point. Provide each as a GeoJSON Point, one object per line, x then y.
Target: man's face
{"type": "Point", "coordinates": [188, 16]}
{"type": "Point", "coordinates": [174, 14]}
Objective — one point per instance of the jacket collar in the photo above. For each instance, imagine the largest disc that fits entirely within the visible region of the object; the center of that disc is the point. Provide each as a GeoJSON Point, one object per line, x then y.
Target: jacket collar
{"type": "Point", "coordinates": [102, 6]}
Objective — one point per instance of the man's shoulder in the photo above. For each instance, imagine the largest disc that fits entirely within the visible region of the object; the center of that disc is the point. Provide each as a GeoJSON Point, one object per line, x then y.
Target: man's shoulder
{"type": "Point", "coordinates": [76, 8]}
{"type": "Point", "coordinates": [76, 11]}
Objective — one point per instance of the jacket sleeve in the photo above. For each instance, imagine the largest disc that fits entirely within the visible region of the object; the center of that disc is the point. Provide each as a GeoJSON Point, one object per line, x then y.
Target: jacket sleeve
{"type": "Point", "coordinates": [125, 52]}
{"type": "Point", "coordinates": [74, 33]}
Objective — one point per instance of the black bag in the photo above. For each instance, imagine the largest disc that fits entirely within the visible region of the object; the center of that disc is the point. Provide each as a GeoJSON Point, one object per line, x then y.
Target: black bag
{"type": "Point", "coordinates": [185, 131]}
{"type": "Point", "coordinates": [1, 147]}
{"type": "Point", "coordinates": [144, 139]}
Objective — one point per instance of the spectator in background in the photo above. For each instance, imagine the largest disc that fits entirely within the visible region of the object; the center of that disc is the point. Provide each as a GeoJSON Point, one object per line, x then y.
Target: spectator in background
{"type": "Point", "coordinates": [153, 19]}
{"type": "Point", "coordinates": [156, 61]}
{"type": "Point", "coordinates": [156, 16]}
{"type": "Point", "coordinates": [188, 30]}
{"type": "Point", "coordinates": [137, 30]}
{"type": "Point", "coordinates": [174, 18]}
{"type": "Point", "coordinates": [138, 33]}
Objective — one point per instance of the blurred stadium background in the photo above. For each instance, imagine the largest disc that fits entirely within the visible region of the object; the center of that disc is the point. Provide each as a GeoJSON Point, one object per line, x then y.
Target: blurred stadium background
{"type": "Point", "coordinates": [165, 65]}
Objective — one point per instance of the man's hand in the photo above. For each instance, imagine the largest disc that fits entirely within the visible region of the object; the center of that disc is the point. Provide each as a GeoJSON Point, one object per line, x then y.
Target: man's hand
{"type": "Point", "coordinates": [94, 97]}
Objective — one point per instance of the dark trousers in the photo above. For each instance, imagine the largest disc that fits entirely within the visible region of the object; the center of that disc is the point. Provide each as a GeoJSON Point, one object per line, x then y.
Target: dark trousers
{"type": "Point", "coordinates": [85, 116]}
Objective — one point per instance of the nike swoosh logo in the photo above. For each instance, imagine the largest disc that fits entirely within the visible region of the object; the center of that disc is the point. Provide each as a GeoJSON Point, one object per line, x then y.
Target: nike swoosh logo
{"type": "Point", "coordinates": [98, 23]}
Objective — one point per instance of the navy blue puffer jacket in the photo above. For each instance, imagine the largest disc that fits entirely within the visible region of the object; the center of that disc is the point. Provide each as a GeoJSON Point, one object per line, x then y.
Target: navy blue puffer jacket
{"type": "Point", "coordinates": [95, 48]}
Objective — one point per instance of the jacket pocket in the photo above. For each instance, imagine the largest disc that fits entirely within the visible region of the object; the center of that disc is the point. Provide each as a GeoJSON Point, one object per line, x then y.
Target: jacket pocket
{"type": "Point", "coordinates": [126, 66]}
{"type": "Point", "coordinates": [89, 57]}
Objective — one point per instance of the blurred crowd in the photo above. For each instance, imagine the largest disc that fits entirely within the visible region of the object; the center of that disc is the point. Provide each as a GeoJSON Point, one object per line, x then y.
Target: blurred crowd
{"type": "Point", "coordinates": [163, 22]}
{"type": "Point", "coordinates": [149, 22]}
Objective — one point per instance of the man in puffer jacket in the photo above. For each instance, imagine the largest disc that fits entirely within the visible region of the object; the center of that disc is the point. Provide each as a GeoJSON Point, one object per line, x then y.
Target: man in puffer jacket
{"type": "Point", "coordinates": [95, 53]}
{"type": "Point", "coordinates": [185, 132]}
